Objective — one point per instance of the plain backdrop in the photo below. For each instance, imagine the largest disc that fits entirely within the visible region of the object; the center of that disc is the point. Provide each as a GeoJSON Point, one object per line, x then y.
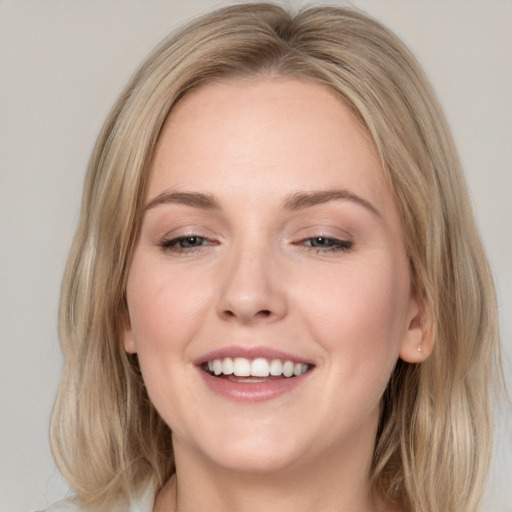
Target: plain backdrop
{"type": "Point", "coordinates": [63, 63]}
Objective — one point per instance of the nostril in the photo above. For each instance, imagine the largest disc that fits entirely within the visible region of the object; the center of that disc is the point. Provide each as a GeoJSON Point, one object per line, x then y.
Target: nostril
{"type": "Point", "coordinates": [248, 315]}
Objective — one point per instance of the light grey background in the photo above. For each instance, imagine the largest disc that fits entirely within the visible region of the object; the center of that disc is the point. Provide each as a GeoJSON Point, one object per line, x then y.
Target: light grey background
{"type": "Point", "coordinates": [62, 65]}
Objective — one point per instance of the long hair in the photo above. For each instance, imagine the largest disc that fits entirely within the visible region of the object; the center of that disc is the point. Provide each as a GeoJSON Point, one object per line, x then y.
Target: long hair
{"type": "Point", "coordinates": [435, 433]}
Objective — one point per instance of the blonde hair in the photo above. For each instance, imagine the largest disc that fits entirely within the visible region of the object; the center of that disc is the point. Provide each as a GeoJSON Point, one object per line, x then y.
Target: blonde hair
{"type": "Point", "coordinates": [435, 435]}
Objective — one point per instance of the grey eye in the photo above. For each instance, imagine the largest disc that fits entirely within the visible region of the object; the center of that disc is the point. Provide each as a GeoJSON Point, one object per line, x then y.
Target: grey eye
{"type": "Point", "coordinates": [191, 241]}
{"type": "Point", "coordinates": [321, 241]}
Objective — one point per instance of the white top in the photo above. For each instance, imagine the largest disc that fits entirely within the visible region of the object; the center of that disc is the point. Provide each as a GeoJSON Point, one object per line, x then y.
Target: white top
{"type": "Point", "coordinates": [142, 502]}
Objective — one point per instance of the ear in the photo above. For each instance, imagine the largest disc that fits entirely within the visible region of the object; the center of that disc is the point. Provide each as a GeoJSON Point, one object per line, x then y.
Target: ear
{"type": "Point", "coordinates": [128, 338]}
{"type": "Point", "coordinates": [419, 338]}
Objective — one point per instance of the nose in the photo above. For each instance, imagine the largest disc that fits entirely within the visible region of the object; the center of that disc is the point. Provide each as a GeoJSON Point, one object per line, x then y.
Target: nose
{"type": "Point", "coordinates": [252, 290]}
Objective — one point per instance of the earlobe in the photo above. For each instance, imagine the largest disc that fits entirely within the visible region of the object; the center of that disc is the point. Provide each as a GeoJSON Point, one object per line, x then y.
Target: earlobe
{"type": "Point", "coordinates": [128, 340]}
{"type": "Point", "coordinates": [418, 341]}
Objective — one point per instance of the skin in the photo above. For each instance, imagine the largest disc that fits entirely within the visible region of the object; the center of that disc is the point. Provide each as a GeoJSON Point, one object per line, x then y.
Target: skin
{"type": "Point", "coordinates": [259, 275]}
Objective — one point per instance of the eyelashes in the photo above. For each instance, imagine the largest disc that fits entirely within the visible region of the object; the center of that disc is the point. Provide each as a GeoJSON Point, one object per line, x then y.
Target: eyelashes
{"type": "Point", "coordinates": [192, 244]}
{"type": "Point", "coordinates": [325, 244]}
{"type": "Point", "coordinates": [188, 244]}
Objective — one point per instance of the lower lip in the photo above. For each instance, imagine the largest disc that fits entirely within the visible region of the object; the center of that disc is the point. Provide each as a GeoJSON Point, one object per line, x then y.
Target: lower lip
{"type": "Point", "coordinates": [251, 391]}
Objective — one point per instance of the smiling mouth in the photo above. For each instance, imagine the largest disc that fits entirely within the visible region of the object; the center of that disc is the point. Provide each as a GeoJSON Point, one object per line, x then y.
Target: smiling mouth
{"type": "Point", "coordinates": [240, 369]}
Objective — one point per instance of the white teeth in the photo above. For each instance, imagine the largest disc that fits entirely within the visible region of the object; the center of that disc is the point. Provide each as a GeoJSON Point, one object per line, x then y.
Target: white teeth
{"type": "Point", "coordinates": [217, 366]}
{"type": "Point", "coordinates": [242, 367]}
{"type": "Point", "coordinates": [288, 368]}
{"type": "Point", "coordinates": [227, 366]}
{"type": "Point", "coordinates": [259, 367]}
{"type": "Point", "coordinates": [276, 367]}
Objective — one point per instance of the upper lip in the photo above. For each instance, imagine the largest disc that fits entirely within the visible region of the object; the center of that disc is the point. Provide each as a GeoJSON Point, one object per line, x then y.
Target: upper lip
{"type": "Point", "coordinates": [252, 352]}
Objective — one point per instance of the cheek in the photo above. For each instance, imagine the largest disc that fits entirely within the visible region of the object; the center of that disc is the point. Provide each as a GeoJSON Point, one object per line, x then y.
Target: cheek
{"type": "Point", "coordinates": [164, 309]}
{"type": "Point", "coordinates": [360, 311]}
{"type": "Point", "coordinates": [164, 306]}
{"type": "Point", "coordinates": [360, 324]}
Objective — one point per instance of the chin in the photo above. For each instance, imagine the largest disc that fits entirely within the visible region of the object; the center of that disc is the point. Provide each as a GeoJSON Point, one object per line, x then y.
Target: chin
{"type": "Point", "coordinates": [251, 450]}
{"type": "Point", "coordinates": [256, 462]}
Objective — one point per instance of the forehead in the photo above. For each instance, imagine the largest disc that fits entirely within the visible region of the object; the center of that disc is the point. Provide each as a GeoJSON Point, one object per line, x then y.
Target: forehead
{"type": "Point", "coordinates": [233, 104]}
{"type": "Point", "coordinates": [242, 134]}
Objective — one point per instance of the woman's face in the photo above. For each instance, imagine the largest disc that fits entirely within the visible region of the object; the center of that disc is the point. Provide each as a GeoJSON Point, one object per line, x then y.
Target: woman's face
{"type": "Point", "coordinates": [270, 245]}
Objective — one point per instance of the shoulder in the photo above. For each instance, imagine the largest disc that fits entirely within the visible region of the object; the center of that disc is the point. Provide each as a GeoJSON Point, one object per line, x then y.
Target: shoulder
{"type": "Point", "coordinates": [63, 506]}
{"type": "Point", "coordinates": [141, 501]}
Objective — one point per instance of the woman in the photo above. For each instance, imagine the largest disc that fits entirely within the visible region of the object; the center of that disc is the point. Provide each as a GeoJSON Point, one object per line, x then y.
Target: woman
{"type": "Point", "coordinates": [277, 296]}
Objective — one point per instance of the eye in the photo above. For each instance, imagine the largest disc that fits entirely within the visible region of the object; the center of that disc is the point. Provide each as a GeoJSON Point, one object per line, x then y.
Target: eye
{"type": "Point", "coordinates": [321, 241]}
{"type": "Point", "coordinates": [327, 244]}
{"type": "Point", "coordinates": [186, 244]}
{"type": "Point", "coordinates": [190, 241]}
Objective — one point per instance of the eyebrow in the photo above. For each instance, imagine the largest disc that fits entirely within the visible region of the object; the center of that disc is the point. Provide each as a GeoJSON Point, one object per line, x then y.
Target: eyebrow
{"type": "Point", "coordinates": [302, 200]}
{"type": "Point", "coordinates": [193, 199]}
{"type": "Point", "coordinates": [294, 202]}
